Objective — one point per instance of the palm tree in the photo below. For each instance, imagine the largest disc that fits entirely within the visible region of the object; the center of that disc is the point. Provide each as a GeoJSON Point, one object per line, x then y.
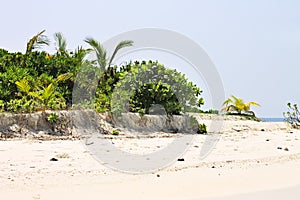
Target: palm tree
{"type": "Point", "coordinates": [237, 105]}
{"type": "Point", "coordinates": [43, 94]}
{"type": "Point", "coordinates": [102, 58]}
{"type": "Point", "coordinates": [37, 41]}
{"type": "Point", "coordinates": [80, 53]}
{"type": "Point", "coordinates": [61, 44]}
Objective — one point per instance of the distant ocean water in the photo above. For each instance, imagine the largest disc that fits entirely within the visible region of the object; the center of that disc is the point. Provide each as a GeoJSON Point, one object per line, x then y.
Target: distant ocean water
{"type": "Point", "coordinates": [272, 119]}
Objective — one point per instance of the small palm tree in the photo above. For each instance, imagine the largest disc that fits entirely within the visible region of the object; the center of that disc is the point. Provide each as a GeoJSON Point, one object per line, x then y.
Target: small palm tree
{"type": "Point", "coordinates": [237, 105]}
{"type": "Point", "coordinates": [103, 60]}
{"type": "Point", "coordinates": [44, 94]}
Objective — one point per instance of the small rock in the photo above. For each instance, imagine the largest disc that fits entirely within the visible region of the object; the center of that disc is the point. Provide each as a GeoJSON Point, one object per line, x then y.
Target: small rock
{"type": "Point", "coordinates": [262, 129]}
{"type": "Point", "coordinates": [15, 128]}
{"type": "Point", "coordinates": [24, 131]}
{"type": "Point", "coordinates": [53, 159]}
{"type": "Point", "coordinates": [63, 155]}
{"type": "Point", "coordinates": [267, 140]}
{"type": "Point", "coordinates": [286, 149]}
{"type": "Point", "coordinates": [213, 167]}
{"type": "Point", "coordinates": [180, 159]}
{"type": "Point", "coordinates": [196, 146]}
{"type": "Point", "coordinates": [158, 175]}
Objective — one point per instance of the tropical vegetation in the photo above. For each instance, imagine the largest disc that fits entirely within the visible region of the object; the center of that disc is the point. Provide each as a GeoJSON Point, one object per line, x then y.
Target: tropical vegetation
{"type": "Point", "coordinates": [37, 81]}
{"type": "Point", "coordinates": [292, 116]}
{"type": "Point", "coordinates": [235, 105]}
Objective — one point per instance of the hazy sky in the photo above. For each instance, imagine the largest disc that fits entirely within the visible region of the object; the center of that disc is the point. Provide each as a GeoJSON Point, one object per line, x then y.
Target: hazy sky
{"type": "Point", "coordinates": [254, 44]}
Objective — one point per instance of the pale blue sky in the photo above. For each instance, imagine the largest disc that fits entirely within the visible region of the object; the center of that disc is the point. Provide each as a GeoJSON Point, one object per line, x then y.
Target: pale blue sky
{"type": "Point", "coordinates": [254, 44]}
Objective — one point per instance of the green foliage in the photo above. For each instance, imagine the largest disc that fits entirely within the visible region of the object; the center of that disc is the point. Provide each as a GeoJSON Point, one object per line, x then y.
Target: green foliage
{"type": "Point", "coordinates": [44, 97]}
{"type": "Point", "coordinates": [23, 105]}
{"type": "Point", "coordinates": [102, 58]}
{"type": "Point", "coordinates": [292, 116]}
{"type": "Point", "coordinates": [37, 41]}
{"type": "Point", "coordinates": [2, 105]}
{"type": "Point", "coordinates": [235, 105]}
{"type": "Point", "coordinates": [114, 132]}
{"type": "Point", "coordinates": [40, 70]}
{"type": "Point", "coordinates": [202, 129]}
{"type": "Point", "coordinates": [52, 118]}
{"type": "Point", "coordinates": [37, 80]}
{"type": "Point", "coordinates": [211, 111]}
{"type": "Point", "coordinates": [146, 84]}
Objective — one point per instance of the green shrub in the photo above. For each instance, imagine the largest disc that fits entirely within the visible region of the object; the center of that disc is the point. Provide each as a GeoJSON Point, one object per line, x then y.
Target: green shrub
{"type": "Point", "coordinates": [22, 105]}
{"type": "Point", "coordinates": [114, 132]}
{"type": "Point", "coordinates": [202, 129]}
{"type": "Point", "coordinates": [52, 118]}
{"type": "Point", "coordinates": [147, 84]}
{"type": "Point", "coordinates": [292, 116]}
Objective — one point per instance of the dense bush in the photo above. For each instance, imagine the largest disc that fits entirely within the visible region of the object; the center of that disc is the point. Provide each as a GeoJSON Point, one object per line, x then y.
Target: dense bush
{"type": "Point", "coordinates": [40, 69]}
{"type": "Point", "coordinates": [143, 85]}
{"type": "Point", "coordinates": [37, 80]}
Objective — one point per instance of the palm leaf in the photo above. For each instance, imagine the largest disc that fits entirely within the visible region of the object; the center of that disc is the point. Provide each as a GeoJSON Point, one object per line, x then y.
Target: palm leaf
{"type": "Point", "coordinates": [65, 76]}
{"type": "Point", "coordinates": [37, 41]}
{"type": "Point", "coordinates": [48, 92]}
{"type": "Point", "coordinates": [251, 103]}
{"type": "Point", "coordinates": [23, 85]}
{"type": "Point", "coordinates": [36, 95]}
{"type": "Point", "coordinates": [227, 102]}
{"type": "Point", "coordinates": [122, 44]}
{"type": "Point", "coordinates": [100, 51]}
{"type": "Point", "coordinates": [61, 43]}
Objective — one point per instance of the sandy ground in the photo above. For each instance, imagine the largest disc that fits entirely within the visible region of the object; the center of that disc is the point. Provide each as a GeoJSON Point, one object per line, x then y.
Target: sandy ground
{"type": "Point", "coordinates": [251, 160]}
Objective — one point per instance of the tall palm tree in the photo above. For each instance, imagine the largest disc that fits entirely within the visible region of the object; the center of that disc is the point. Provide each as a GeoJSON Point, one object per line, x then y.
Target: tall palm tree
{"type": "Point", "coordinates": [103, 60]}
{"type": "Point", "coordinates": [237, 105]}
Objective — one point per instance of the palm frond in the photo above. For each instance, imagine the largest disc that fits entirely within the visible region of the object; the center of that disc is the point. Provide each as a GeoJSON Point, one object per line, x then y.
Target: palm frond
{"type": "Point", "coordinates": [65, 76]}
{"type": "Point", "coordinates": [122, 44]}
{"type": "Point", "coordinates": [61, 43]}
{"type": "Point", "coordinates": [36, 95]}
{"type": "Point", "coordinates": [23, 85]}
{"type": "Point", "coordinates": [252, 103]}
{"type": "Point", "coordinates": [99, 50]}
{"type": "Point", "coordinates": [37, 41]}
{"type": "Point", "coordinates": [48, 92]}
{"type": "Point", "coordinates": [227, 102]}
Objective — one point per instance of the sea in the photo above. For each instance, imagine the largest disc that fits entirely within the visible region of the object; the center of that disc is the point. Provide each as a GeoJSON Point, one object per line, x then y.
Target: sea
{"type": "Point", "coordinates": [272, 119]}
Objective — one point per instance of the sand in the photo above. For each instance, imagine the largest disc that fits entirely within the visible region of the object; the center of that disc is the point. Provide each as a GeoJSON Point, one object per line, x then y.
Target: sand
{"type": "Point", "coordinates": [251, 160]}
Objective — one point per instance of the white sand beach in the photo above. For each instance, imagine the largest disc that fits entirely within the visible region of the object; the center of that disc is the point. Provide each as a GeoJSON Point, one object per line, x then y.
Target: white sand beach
{"type": "Point", "coordinates": [251, 160]}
